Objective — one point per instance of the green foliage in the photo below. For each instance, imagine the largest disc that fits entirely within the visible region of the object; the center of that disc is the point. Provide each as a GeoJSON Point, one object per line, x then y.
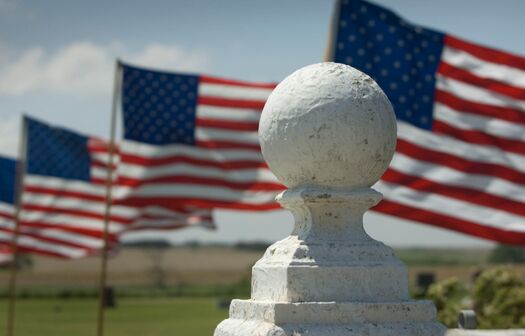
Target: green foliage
{"type": "Point", "coordinates": [447, 296]}
{"type": "Point", "coordinates": [499, 299]}
{"type": "Point", "coordinates": [507, 254]}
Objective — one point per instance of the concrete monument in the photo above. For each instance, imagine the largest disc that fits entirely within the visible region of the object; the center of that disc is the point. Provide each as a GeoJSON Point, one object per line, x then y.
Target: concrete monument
{"type": "Point", "coordinates": [328, 132]}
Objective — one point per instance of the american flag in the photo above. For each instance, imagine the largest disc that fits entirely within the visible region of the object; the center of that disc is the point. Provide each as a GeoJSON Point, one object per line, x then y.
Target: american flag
{"type": "Point", "coordinates": [192, 140]}
{"type": "Point", "coordinates": [460, 157]}
{"type": "Point", "coordinates": [7, 202]}
{"type": "Point", "coordinates": [64, 197]}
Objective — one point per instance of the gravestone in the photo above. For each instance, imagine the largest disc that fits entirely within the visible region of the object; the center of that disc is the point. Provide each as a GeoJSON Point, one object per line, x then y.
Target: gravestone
{"type": "Point", "coordinates": [328, 133]}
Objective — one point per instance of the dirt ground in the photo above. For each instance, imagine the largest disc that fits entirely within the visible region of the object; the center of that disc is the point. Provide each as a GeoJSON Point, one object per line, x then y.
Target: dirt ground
{"type": "Point", "coordinates": [143, 267]}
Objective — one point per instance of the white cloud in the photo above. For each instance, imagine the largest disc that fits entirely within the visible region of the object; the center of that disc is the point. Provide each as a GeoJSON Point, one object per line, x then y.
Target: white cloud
{"type": "Point", "coordinates": [85, 67]}
{"type": "Point", "coordinates": [161, 56]}
{"type": "Point", "coordinates": [9, 134]}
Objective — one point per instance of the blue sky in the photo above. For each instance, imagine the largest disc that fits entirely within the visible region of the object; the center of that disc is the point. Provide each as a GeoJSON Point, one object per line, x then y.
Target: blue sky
{"type": "Point", "coordinates": [57, 56]}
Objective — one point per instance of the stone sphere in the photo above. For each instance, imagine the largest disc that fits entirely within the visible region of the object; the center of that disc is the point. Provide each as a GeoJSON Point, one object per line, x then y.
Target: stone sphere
{"type": "Point", "coordinates": [328, 125]}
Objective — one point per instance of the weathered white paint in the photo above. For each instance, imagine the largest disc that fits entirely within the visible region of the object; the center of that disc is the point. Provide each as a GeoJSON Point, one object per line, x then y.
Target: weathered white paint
{"type": "Point", "coordinates": [507, 332]}
{"type": "Point", "coordinates": [325, 125]}
{"type": "Point", "coordinates": [328, 133]}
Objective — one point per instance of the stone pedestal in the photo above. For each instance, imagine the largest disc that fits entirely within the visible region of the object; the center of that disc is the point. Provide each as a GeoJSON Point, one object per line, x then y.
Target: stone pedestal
{"type": "Point", "coordinates": [328, 133]}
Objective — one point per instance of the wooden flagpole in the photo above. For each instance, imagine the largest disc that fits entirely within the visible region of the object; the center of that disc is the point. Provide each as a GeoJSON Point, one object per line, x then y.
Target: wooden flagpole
{"type": "Point", "coordinates": [19, 183]}
{"type": "Point", "coordinates": [329, 51]}
{"type": "Point", "coordinates": [107, 211]}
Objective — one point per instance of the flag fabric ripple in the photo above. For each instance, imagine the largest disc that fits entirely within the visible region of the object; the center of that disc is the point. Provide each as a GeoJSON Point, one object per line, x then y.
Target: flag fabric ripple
{"type": "Point", "coordinates": [460, 157]}
{"type": "Point", "coordinates": [192, 140]}
{"type": "Point", "coordinates": [64, 197]}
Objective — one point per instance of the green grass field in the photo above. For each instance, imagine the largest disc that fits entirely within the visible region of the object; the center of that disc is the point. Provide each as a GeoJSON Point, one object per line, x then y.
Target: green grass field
{"type": "Point", "coordinates": [145, 317]}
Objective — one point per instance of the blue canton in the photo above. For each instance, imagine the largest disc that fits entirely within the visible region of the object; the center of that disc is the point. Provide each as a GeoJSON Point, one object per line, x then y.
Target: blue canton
{"type": "Point", "coordinates": [402, 58]}
{"type": "Point", "coordinates": [159, 108]}
{"type": "Point", "coordinates": [7, 180]}
{"type": "Point", "coordinates": [56, 152]}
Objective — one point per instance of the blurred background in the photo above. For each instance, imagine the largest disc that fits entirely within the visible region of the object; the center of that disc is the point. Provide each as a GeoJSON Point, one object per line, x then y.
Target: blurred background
{"type": "Point", "coordinates": [57, 63]}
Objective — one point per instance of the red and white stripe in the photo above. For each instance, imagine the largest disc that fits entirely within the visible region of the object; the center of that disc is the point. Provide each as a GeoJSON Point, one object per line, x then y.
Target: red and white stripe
{"type": "Point", "coordinates": [65, 218]}
{"type": "Point", "coordinates": [224, 169]}
{"type": "Point", "coordinates": [468, 174]}
{"type": "Point", "coordinates": [6, 255]}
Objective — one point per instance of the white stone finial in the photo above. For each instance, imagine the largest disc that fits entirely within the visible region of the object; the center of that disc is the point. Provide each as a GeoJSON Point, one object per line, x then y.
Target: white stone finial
{"type": "Point", "coordinates": [328, 132]}
{"type": "Point", "coordinates": [328, 125]}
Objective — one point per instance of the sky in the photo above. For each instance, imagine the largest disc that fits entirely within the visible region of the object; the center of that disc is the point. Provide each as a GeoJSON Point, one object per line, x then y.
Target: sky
{"type": "Point", "coordinates": [57, 59]}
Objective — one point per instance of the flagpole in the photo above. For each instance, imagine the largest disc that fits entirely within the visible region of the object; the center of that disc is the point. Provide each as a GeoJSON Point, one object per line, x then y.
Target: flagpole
{"type": "Point", "coordinates": [329, 50]}
{"type": "Point", "coordinates": [107, 212]}
{"type": "Point", "coordinates": [19, 183]}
